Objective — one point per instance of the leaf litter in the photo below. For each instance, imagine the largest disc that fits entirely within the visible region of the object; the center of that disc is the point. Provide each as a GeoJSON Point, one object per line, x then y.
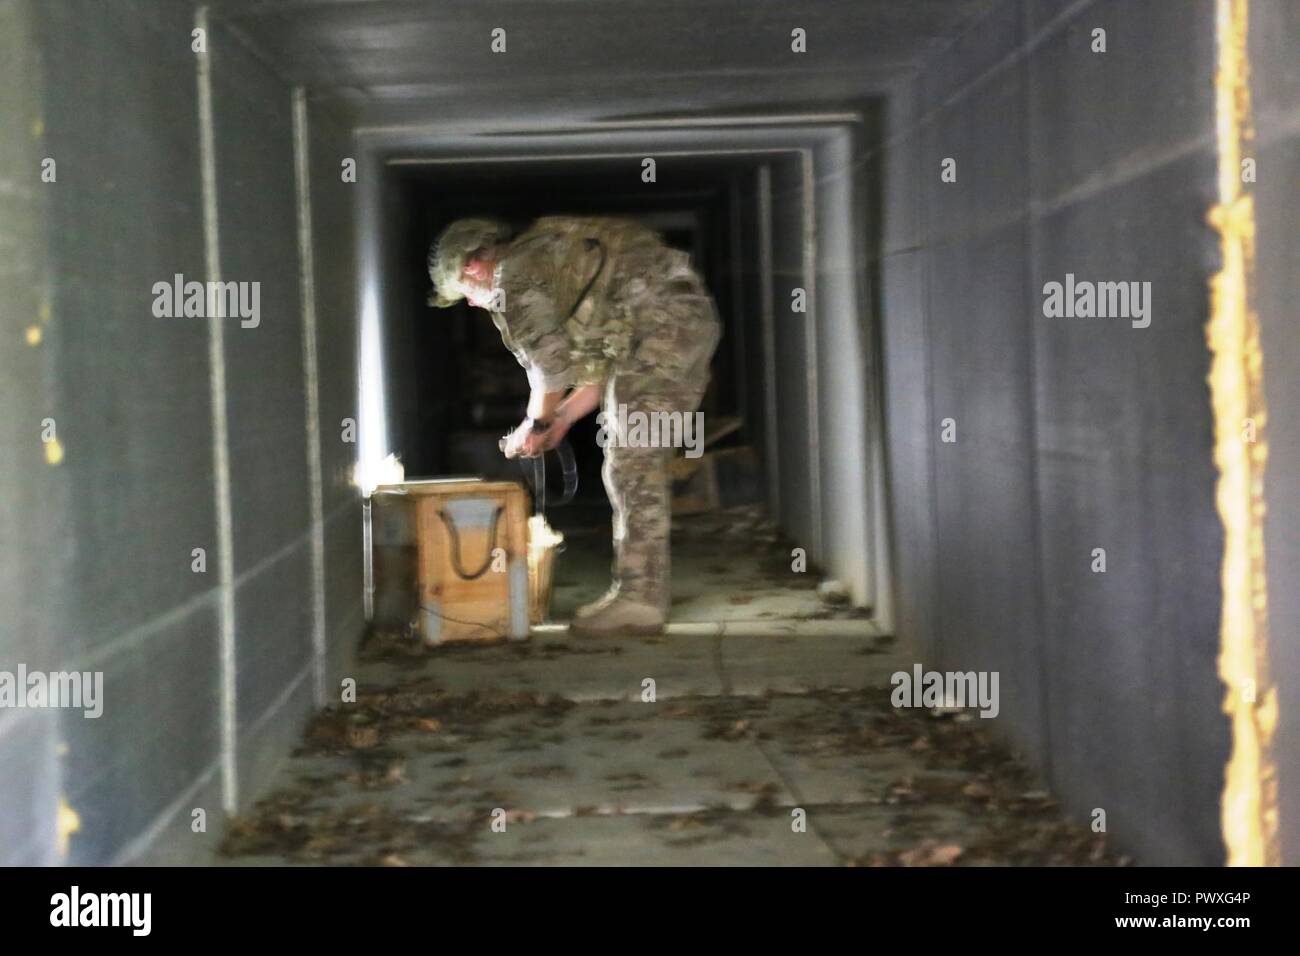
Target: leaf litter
{"type": "Point", "coordinates": [957, 771]}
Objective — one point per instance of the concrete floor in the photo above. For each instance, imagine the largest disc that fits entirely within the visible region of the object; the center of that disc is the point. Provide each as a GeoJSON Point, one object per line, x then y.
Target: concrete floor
{"type": "Point", "coordinates": [731, 566]}
{"type": "Point", "coordinates": [556, 739]}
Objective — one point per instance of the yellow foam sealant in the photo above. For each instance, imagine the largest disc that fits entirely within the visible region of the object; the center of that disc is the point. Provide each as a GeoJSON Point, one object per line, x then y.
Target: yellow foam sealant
{"type": "Point", "coordinates": [1249, 814]}
{"type": "Point", "coordinates": [67, 823]}
{"type": "Point", "coordinates": [53, 452]}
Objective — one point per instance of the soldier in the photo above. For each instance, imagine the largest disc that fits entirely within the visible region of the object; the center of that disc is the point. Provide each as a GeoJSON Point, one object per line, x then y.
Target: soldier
{"type": "Point", "coordinates": [595, 309]}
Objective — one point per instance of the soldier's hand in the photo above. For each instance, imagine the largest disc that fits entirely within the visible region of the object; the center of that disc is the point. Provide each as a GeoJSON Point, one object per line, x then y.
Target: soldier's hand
{"type": "Point", "coordinates": [533, 443]}
{"type": "Point", "coordinates": [510, 445]}
{"type": "Point", "coordinates": [552, 437]}
{"type": "Point", "coordinates": [525, 443]}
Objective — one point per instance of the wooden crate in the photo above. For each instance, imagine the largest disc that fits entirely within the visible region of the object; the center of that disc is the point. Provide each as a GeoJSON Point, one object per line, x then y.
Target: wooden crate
{"type": "Point", "coordinates": [469, 543]}
{"type": "Point", "coordinates": [395, 558]}
{"type": "Point", "coordinates": [717, 479]}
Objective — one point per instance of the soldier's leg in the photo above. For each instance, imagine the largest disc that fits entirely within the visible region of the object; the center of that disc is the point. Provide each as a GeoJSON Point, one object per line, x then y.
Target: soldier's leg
{"type": "Point", "coordinates": [667, 376]}
{"type": "Point", "coordinates": [637, 481]}
{"type": "Point", "coordinates": [618, 523]}
{"type": "Point", "coordinates": [666, 373]}
{"type": "Point", "coordinates": [630, 484]}
{"type": "Point", "coordinates": [618, 517]}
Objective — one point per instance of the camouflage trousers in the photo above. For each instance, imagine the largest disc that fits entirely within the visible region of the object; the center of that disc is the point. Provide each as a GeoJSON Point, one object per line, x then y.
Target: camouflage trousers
{"type": "Point", "coordinates": [661, 382]}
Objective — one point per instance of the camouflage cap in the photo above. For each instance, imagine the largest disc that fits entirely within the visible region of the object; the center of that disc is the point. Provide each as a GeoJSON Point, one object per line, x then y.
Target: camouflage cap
{"type": "Point", "coordinates": [449, 251]}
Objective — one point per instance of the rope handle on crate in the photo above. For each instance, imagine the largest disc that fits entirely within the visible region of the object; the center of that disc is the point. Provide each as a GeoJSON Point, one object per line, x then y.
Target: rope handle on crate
{"type": "Point", "coordinates": [456, 564]}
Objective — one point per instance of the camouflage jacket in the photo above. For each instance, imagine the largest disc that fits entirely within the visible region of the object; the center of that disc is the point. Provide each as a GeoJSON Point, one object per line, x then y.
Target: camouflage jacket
{"type": "Point", "coordinates": [621, 265]}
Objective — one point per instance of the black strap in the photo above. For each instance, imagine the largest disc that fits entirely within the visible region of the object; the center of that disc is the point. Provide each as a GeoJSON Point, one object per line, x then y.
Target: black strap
{"type": "Point", "coordinates": [455, 544]}
{"type": "Point", "coordinates": [591, 244]}
{"type": "Point", "coordinates": [535, 473]}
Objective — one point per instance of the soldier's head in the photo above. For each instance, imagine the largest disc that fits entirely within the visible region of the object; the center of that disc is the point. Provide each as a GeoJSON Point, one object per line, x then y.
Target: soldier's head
{"type": "Point", "coordinates": [462, 260]}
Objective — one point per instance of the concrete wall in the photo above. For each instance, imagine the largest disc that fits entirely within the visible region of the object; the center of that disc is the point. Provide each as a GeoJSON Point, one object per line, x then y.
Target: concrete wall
{"type": "Point", "coordinates": [33, 494]}
{"type": "Point", "coordinates": [845, 398]}
{"type": "Point", "coordinates": [134, 413]}
{"type": "Point", "coordinates": [403, 319]}
{"type": "Point", "coordinates": [334, 241]}
{"type": "Point", "coordinates": [1071, 434]}
{"type": "Point", "coordinates": [1275, 82]}
{"type": "Point", "coordinates": [900, 265]}
{"type": "Point", "coordinates": [795, 338]}
{"type": "Point", "coordinates": [135, 493]}
{"type": "Point", "coordinates": [810, 395]}
{"type": "Point", "coordinates": [752, 201]}
{"type": "Point", "coordinates": [266, 408]}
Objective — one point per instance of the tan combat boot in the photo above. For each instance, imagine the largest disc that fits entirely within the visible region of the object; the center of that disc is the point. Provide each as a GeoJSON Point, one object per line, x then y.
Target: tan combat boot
{"type": "Point", "coordinates": [621, 617]}
{"type": "Point", "coordinates": [587, 610]}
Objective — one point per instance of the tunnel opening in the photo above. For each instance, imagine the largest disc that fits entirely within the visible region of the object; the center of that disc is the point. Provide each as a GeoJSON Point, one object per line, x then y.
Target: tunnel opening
{"type": "Point", "coordinates": [459, 390]}
{"type": "Point", "coordinates": [466, 392]}
{"type": "Point", "coordinates": [879, 194]}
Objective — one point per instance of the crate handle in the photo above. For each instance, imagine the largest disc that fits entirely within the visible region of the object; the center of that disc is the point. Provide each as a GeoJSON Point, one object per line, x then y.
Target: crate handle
{"type": "Point", "coordinates": [455, 545]}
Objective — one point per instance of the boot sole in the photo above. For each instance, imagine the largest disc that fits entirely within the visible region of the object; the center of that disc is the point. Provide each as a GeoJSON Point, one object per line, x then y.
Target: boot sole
{"type": "Point", "coordinates": [581, 629]}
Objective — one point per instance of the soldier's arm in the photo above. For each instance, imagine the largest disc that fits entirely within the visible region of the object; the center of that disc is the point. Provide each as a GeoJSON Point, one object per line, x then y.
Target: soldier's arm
{"type": "Point", "coordinates": [535, 328]}
{"type": "Point", "coordinates": [560, 411]}
{"type": "Point", "coordinates": [581, 402]}
{"type": "Point", "coordinates": [543, 405]}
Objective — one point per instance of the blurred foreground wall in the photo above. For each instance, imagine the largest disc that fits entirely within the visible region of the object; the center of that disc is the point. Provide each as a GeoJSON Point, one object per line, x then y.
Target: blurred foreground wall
{"type": "Point", "coordinates": [1076, 434]}
{"type": "Point", "coordinates": [1275, 91]}
{"type": "Point", "coordinates": [208, 672]}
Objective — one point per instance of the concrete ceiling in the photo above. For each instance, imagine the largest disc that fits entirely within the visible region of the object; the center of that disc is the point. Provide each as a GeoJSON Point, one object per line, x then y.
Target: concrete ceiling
{"type": "Point", "coordinates": [572, 61]}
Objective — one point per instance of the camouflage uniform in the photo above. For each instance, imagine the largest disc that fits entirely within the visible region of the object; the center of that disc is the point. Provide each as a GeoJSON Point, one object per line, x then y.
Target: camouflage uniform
{"type": "Point", "coordinates": [647, 328]}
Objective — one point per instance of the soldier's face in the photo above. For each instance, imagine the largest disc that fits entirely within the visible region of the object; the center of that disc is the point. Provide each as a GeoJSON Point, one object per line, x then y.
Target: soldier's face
{"type": "Point", "coordinates": [476, 280]}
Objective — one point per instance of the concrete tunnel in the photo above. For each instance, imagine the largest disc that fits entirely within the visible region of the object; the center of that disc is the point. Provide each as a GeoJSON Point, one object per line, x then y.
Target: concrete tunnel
{"type": "Point", "coordinates": [1096, 502]}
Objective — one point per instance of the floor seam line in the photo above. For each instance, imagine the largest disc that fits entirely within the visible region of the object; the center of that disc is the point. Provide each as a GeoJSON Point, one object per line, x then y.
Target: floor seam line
{"type": "Point", "coordinates": [800, 803]}
{"type": "Point", "coordinates": [720, 668]}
